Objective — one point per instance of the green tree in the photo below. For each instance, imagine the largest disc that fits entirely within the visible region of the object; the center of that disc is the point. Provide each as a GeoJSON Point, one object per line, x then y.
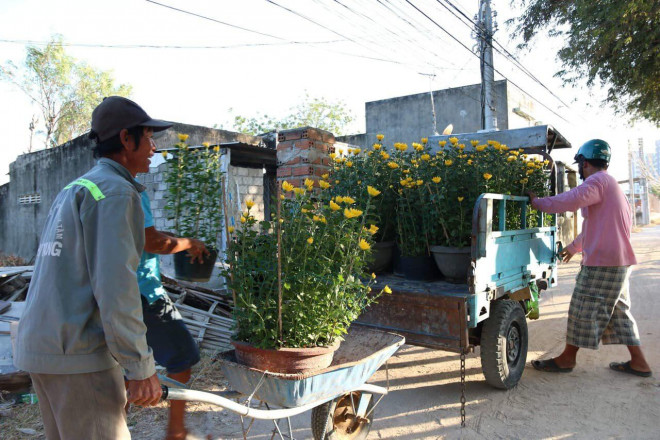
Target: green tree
{"type": "Point", "coordinates": [333, 116]}
{"type": "Point", "coordinates": [64, 90]}
{"type": "Point", "coordinates": [613, 43]}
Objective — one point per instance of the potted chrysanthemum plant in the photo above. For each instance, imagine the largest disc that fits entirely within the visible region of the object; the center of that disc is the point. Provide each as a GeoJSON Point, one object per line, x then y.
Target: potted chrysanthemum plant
{"type": "Point", "coordinates": [194, 195]}
{"type": "Point", "coordinates": [298, 280]}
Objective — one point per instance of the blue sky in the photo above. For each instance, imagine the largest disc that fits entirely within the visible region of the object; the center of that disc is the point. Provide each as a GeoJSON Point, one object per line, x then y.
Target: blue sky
{"type": "Point", "coordinates": [358, 53]}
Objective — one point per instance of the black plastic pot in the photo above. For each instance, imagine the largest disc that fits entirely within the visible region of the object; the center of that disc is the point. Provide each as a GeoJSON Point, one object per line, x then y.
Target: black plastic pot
{"type": "Point", "coordinates": [419, 268]}
{"type": "Point", "coordinates": [198, 272]}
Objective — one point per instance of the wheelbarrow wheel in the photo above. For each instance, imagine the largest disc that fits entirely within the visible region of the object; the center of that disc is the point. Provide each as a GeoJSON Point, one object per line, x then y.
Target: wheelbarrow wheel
{"type": "Point", "coordinates": [504, 344]}
{"type": "Point", "coordinates": [338, 419]}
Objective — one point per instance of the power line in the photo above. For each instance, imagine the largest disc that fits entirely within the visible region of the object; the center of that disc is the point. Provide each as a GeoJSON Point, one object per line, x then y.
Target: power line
{"type": "Point", "coordinates": [154, 46]}
{"type": "Point", "coordinates": [506, 53]}
{"type": "Point", "coordinates": [215, 20]}
{"type": "Point", "coordinates": [490, 65]}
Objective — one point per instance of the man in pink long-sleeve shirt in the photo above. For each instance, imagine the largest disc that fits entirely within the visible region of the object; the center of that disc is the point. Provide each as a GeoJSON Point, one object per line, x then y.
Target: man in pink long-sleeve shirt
{"type": "Point", "coordinates": [600, 305]}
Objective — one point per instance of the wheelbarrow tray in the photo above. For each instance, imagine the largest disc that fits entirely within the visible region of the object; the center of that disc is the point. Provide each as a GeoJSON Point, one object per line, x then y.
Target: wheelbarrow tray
{"type": "Point", "coordinates": [359, 356]}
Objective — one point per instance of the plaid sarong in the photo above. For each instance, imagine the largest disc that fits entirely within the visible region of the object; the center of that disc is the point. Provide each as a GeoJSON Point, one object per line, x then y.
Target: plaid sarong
{"type": "Point", "coordinates": [600, 308]}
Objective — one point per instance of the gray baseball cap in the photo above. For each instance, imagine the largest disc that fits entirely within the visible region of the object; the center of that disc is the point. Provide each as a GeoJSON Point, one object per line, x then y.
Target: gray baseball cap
{"type": "Point", "coordinates": [115, 113]}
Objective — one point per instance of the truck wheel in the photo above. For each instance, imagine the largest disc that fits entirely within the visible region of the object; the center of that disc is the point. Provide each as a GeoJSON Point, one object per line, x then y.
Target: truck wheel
{"type": "Point", "coordinates": [339, 421]}
{"type": "Point", "coordinates": [504, 344]}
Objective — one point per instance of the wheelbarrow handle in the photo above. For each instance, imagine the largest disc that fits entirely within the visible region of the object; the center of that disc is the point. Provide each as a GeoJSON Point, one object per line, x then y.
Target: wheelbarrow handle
{"type": "Point", "coordinates": [166, 392]}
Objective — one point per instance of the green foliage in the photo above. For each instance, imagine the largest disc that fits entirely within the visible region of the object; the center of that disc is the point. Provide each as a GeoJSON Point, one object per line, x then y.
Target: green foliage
{"type": "Point", "coordinates": [433, 194]}
{"type": "Point", "coordinates": [65, 90]}
{"type": "Point", "coordinates": [194, 199]}
{"type": "Point", "coordinates": [616, 43]}
{"type": "Point", "coordinates": [313, 112]}
{"type": "Point", "coordinates": [353, 174]}
{"type": "Point", "coordinates": [324, 247]}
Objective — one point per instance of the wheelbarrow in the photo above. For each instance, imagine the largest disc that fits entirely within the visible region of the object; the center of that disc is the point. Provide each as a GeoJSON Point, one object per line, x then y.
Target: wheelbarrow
{"type": "Point", "coordinates": [341, 401]}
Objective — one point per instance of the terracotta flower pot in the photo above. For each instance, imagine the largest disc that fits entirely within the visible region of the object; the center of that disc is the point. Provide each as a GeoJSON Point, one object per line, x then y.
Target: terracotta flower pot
{"type": "Point", "coordinates": [285, 360]}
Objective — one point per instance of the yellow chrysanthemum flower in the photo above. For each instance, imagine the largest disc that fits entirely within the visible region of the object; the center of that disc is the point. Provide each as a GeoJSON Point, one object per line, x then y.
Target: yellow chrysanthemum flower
{"type": "Point", "coordinates": [249, 203]}
{"type": "Point", "coordinates": [460, 199]}
{"type": "Point", "coordinates": [309, 183]}
{"type": "Point", "coordinates": [469, 162]}
{"type": "Point", "coordinates": [243, 219]}
{"type": "Point", "coordinates": [436, 179]}
{"type": "Point", "coordinates": [524, 181]}
{"type": "Point", "coordinates": [384, 155]}
{"type": "Point", "coordinates": [530, 172]}
{"type": "Point", "coordinates": [373, 276]}
{"type": "Point", "coordinates": [352, 213]}
{"type": "Point", "coordinates": [323, 184]}
{"type": "Point", "coordinates": [334, 206]}
{"type": "Point", "coordinates": [164, 153]}
{"type": "Point", "coordinates": [530, 165]}
{"type": "Point", "coordinates": [182, 137]}
{"type": "Point", "coordinates": [480, 147]}
{"type": "Point", "coordinates": [286, 186]}
{"type": "Point", "coordinates": [453, 140]}
{"type": "Point", "coordinates": [376, 146]}
{"type": "Point", "coordinates": [325, 176]}
{"type": "Point", "coordinates": [425, 140]}
{"type": "Point", "coordinates": [373, 192]}
{"type": "Point", "coordinates": [348, 200]}
{"type": "Point", "coordinates": [230, 229]}
{"type": "Point", "coordinates": [487, 176]}
{"type": "Point", "coordinates": [206, 144]}
{"type": "Point", "coordinates": [364, 245]}
{"type": "Point", "coordinates": [511, 158]}
{"type": "Point", "coordinates": [387, 289]}
{"type": "Point", "coordinates": [380, 137]}
{"type": "Point", "coordinates": [373, 229]}
{"type": "Point", "coordinates": [448, 162]}
{"type": "Point", "coordinates": [333, 155]}
{"type": "Point", "coordinates": [310, 240]}
{"type": "Point", "coordinates": [403, 182]}
{"type": "Point", "coordinates": [426, 157]}
{"type": "Point", "coordinates": [282, 197]}
{"type": "Point", "coordinates": [420, 182]}
{"type": "Point", "coordinates": [474, 143]}
{"type": "Point", "coordinates": [216, 148]}
{"type": "Point", "coordinates": [349, 164]}
{"type": "Point", "coordinates": [393, 165]}
{"type": "Point", "coordinates": [299, 191]}
{"type": "Point", "coordinates": [442, 143]}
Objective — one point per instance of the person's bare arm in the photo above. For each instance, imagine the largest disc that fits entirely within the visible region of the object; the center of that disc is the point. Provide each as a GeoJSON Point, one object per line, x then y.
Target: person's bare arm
{"type": "Point", "coordinates": [162, 243]}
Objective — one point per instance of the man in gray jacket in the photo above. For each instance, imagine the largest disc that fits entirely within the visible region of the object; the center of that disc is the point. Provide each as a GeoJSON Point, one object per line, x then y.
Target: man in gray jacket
{"type": "Point", "coordinates": [83, 319]}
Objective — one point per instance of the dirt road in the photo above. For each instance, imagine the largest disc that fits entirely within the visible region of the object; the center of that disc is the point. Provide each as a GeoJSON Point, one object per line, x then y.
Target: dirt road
{"type": "Point", "coordinates": [591, 402]}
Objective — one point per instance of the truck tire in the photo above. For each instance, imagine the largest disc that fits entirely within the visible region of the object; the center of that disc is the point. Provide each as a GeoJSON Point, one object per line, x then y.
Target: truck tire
{"type": "Point", "coordinates": [337, 419]}
{"type": "Point", "coordinates": [504, 344]}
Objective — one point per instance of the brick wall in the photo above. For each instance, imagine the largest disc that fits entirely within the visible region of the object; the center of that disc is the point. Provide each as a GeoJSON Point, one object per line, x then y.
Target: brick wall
{"type": "Point", "coordinates": [303, 153]}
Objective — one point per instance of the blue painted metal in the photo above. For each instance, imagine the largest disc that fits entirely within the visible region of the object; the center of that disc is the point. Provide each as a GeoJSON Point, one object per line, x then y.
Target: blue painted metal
{"type": "Point", "coordinates": [506, 261]}
{"type": "Point", "coordinates": [356, 360]}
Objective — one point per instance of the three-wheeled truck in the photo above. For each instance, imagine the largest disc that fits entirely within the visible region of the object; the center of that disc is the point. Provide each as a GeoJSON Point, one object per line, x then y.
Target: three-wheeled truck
{"type": "Point", "coordinates": [507, 270]}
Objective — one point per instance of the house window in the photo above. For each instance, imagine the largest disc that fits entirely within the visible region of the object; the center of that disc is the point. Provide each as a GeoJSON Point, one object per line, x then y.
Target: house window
{"type": "Point", "coordinates": [29, 199]}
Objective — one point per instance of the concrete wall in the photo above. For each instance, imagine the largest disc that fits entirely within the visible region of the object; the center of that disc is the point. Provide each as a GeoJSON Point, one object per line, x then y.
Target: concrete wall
{"type": "Point", "coordinates": [46, 172]}
{"type": "Point", "coordinates": [409, 118]}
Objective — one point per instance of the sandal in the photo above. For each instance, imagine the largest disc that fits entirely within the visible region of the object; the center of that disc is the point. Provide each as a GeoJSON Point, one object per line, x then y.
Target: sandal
{"type": "Point", "coordinates": [550, 366]}
{"type": "Point", "coordinates": [624, 367]}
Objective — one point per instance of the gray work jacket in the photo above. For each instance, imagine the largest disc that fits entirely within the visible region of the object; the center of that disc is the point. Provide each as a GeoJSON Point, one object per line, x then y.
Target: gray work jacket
{"type": "Point", "coordinates": [83, 311]}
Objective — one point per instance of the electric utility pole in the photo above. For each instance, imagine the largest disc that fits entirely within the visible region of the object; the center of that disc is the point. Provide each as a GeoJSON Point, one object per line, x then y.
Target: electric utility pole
{"type": "Point", "coordinates": [484, 34]}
